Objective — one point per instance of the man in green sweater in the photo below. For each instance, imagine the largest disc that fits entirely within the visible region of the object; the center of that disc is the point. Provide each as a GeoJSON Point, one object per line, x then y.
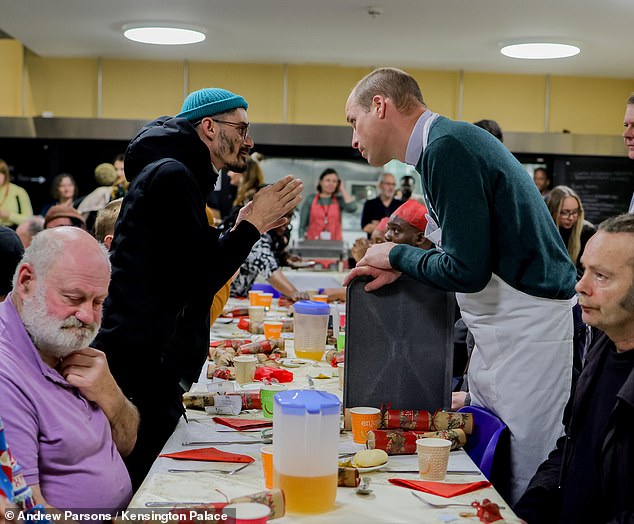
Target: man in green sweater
{"type": "Point", "coordinates": [496, 247]}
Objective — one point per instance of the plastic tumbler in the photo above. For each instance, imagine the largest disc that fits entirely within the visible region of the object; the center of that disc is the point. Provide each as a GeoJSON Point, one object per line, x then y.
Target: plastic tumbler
{"type": "Point", "coordinates": [253, 297]}
{"type": "Point", "coordinates": [364, 419]}
{"type": "Point", "coordinates": [267, 465]}
{"type": "Point", "coordinates": [266, 398]}
{"type": "Point", "coordinates": [272, 329]}
{"type": "Point", "coordinates": [310, 324]}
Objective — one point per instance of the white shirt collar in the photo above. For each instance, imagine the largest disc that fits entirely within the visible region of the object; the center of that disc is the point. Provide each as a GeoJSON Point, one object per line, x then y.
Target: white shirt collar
{"type": "Point", "coordinates": [415, 143]}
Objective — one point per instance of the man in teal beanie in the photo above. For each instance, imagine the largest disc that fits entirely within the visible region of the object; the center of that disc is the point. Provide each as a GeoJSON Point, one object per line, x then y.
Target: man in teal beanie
{"type": "Point", "coordinates": [167, 262]}
{"type": "Point", "coordinates": [496, 247]}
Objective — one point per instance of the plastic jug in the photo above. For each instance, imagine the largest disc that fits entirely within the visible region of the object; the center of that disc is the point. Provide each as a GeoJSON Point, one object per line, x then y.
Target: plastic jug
{"type": "Point", "coordinates": [310, 327]}
{"type": "Point", "coordinates": [305, 449]}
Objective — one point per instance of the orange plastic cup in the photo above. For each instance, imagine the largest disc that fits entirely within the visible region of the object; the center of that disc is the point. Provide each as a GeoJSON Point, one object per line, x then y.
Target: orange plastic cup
{"type": "Point", "coordinates": [267, 465]}
{"type": "Point", "coordinates": [364, 420]}
{"type": "Point", "coordinates": [264, 299]}
{"type": "Point", "coordinates": [272, 329]}
{"type": "Point", "coordinates": [253, 297]}
{"type": "Point", "coordinates": [320, 298]}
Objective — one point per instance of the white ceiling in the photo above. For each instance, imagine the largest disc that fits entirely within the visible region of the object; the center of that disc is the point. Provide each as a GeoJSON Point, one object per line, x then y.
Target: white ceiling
{"type": "Point", "coordinates": [428, 34]}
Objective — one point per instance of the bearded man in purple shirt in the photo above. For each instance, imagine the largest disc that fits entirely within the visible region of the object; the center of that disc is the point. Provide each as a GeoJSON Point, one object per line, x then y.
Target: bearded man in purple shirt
{"type": "Point", "coordinates": [66, 418]}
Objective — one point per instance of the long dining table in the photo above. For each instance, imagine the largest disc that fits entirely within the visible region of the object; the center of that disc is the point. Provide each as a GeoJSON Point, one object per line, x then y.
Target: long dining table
{"type": "Point", "coordinates": [386, 503]}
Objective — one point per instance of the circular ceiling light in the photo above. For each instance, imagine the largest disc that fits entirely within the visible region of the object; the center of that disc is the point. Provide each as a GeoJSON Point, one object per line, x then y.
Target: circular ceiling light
{"type": "Point", "coordinates": [540, 50]}
{"type": "Point", "coordinates": [163, 35]}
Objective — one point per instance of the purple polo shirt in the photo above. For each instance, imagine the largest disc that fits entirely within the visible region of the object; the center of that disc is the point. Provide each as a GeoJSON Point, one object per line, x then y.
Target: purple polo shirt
{"type": "Point", "coordinates": [63, 441]}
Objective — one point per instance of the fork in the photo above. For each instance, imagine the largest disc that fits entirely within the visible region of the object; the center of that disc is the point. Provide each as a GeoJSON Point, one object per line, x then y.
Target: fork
{"type": "Point", "coordinates": [223, 471]}
{"type": "Point", "coordinates": [444, 505]}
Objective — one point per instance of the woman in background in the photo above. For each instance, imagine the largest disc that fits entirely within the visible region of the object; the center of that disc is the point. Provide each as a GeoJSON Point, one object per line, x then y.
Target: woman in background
{"type": "Point", "coordinates": [250, 182]}
{"type": "Point", "coordinates": [320, 217]}
{"type": "Point", "coordinates": [63, 190]}
{"type": "Point", "coordinates": [567, 211]}
{"type": "Point", "coordinates": [15, 204]}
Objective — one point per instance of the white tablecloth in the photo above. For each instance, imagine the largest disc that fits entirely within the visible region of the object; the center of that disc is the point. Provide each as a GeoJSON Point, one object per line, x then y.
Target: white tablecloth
{"type": "Point", "coordinates": [387, 503]}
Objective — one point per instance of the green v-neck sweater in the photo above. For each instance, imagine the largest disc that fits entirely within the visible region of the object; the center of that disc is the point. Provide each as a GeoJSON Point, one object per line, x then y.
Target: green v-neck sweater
{"type": "Point", "coordinates": [492, 216]}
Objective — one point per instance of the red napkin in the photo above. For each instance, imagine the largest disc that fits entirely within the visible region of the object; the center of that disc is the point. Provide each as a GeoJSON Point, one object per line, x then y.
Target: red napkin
{"type": "Point", "coordinates": [243, 423]}
{"type": "Point", "coordinates": [209, 455]}
{"type": "Point", "coordinates": [442, 489]}
{"type": "Point", "coordinates": [270, 373]}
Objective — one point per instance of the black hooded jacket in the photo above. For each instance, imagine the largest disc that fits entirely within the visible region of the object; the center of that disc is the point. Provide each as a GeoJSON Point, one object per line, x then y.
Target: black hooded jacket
{"type": "Point", "coordinates": [167, 264]}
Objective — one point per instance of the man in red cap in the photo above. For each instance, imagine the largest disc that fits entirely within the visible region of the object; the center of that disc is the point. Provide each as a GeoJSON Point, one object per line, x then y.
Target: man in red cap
{"type": "Point", "coordinates": [407, 225]}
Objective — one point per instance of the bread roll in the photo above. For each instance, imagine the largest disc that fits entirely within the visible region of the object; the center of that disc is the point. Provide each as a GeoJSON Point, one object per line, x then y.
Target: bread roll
{"type": "Point", "coordinates": [368, 458]}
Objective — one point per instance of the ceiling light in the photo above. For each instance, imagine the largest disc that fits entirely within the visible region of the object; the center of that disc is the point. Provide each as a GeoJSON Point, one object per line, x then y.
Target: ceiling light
{"type": "Point", "coordinates": [539, 50]}
{"type": "Point", "coordinates": [163, 34]}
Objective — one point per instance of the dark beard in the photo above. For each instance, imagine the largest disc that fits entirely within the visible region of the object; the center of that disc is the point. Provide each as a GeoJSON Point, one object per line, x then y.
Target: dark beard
{"type": "Point", "coordinates": [228, 147]}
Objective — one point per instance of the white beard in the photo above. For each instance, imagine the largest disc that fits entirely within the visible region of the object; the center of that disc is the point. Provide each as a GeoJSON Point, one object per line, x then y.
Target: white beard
{"type": "Point", "coordinates": [52, 336]}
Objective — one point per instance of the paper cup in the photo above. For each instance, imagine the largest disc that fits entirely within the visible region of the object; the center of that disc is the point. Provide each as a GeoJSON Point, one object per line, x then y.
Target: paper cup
{"type": "Point", "coordinates": [245, 368]}
{"type": "Point", "coordinates": [364, 420]}
{"type": "Point", "coordinates": [256, 313]}
{"type": "Point", "coordinates": [246, 513]}
{"type": "Point", "coordinates": [433, 457]}
{"type": "Point", "coordinates": [267, 465]}
{"type": "Point", "coordinates": [264, 299]}
{"type": "Point", "coordinates": [253, 297]}
{"type": "Point", "coordinates": [266, 398]}
{"type": "Point", "coordinates": [272, 329]}
{"type": "Point", "coordinates": [341, 375]}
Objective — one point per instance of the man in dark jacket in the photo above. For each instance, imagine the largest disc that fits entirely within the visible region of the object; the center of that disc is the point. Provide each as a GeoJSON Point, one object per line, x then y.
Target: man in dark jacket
{"type": "Point", "coordinates": [167, 262]}
{"type": "Point", "coordinates": [589, 477]}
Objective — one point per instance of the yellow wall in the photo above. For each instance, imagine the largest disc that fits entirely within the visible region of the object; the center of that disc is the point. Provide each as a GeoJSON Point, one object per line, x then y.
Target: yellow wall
{"type": "Point", "coordinates": [516, 102]}
{"type": "Point", "coordinates": [316, 93]}
{"type": "Point", "coordinates": [441, 90]}
{"type": "Point", "coordinates": [141, 89]}
{"type": "Point", "coordinates": [588, 105]}
{"type": "Point", "coordinates": [62, 86]}
{"type": "Point", "coordinates": [262, 85]}
{"type": "Point", "coordinates": [11, 84]}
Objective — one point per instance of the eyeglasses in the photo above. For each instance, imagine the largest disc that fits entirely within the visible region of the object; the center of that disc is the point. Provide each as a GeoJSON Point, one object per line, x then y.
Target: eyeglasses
{"type": "Point", "coordinates": [242, 127]}
{"type": "Point", "coordinates": [569, 213]}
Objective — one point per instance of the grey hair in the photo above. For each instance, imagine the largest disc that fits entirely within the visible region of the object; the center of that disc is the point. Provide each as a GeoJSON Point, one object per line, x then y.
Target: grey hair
{"type": "Point", "coordinates": [618, 224]}
{"type": "Point", "coordinates": [35, 224]}
{"type": "Point", "coordinates": [45, 249]}
{"type": "Point", "coordinates": [630, 100]}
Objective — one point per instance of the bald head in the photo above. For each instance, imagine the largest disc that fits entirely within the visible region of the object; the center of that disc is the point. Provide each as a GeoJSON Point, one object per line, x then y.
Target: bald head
{"type": "Point", "coordinates": [64, 246]}
{"type": "Point", "coordinates": [59, 290]}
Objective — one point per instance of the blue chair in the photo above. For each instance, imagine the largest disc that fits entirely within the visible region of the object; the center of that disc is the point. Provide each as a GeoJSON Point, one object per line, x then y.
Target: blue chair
{"type": "Point", "coordinates": [482, 443]}
{"type": "Point", "coordinates": [267, 288]}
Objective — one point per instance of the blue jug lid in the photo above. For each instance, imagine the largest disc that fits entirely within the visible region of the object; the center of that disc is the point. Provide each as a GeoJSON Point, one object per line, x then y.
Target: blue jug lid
{"type": "Point", "coordinates": [310, 307]}
{"type": "Point", "coordinates": [302, 401]}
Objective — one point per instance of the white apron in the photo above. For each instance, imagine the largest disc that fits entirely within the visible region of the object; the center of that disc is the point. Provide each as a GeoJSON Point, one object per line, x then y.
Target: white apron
{"type": "Point", "coordinates": [521, 366]}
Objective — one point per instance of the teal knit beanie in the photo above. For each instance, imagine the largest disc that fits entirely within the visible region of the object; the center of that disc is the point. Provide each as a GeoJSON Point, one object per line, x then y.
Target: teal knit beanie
{"type": "Point", "coordinates": [208, 102]}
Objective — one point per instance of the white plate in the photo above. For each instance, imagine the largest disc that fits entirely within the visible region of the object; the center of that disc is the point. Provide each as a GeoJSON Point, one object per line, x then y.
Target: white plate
{"type": "Point", "coordinates": [295, 362]}
{"type": "Point", "coordinates": [373, 468]}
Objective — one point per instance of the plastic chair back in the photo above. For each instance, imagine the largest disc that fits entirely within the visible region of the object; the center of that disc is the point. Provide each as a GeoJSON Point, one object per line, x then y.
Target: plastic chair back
{"type": "Point", "coordinates": [482, 444]}
{"type": "Point", "coordinates": [267, 288]}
